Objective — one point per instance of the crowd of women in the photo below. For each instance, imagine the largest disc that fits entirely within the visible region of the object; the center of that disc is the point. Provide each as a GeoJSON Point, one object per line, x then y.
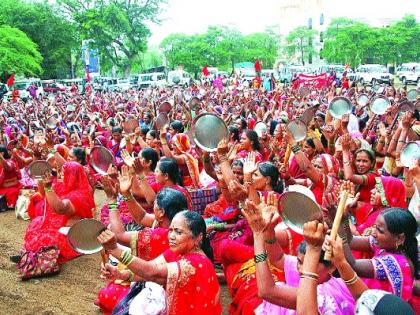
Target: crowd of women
{"type": "Point", "coordinates": [176, 214]}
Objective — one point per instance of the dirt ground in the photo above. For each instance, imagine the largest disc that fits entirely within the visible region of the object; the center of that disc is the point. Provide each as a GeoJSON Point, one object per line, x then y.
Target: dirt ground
{"type": "Point", "coordinates": [72, 291]}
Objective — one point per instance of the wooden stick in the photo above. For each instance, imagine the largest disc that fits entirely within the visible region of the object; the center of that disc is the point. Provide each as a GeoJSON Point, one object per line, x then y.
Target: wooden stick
{"type": "Point", "coordinates": [287, 154]}
{"type": "Point", "coordinates": [104, 257]}
{"type": "Point", "coordinates": [337, 221]}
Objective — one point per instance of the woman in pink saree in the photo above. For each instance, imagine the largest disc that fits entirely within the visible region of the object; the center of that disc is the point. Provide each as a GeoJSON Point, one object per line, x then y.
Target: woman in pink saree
{"type": "Point", "coordinates": [393, 244]}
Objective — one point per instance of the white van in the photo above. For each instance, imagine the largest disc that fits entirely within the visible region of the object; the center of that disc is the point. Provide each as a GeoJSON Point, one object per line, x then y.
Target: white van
{"type": "Point", "coordinates": [409, 72]}
{"type": "Point", "coordinates": [179, 77]}
{"type": "Point", "coordinates": [373, 73]}
{"type": "Point", "coordinates": [286, 72]}
{"type": "Point", "coordinates": [158, 79]}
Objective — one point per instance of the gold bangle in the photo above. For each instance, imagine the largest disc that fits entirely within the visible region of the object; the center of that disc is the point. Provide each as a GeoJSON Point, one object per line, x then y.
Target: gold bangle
{"type": "Point", "coordinates": [310, 278]}
{"type": "Point", "coordinates": [310, 275]}
{"type": "Point", "coordinates": [352, 280]}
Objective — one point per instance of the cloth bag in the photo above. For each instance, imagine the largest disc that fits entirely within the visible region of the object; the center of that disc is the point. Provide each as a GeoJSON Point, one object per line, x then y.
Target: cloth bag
{"type": "Point", "coordinates": [40, 263]}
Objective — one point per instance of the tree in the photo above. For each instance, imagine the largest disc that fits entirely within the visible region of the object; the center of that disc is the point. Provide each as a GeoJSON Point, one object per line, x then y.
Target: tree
{"type": "Point", "coordinates": [18, 53]}
{"type": "Point", "coordinates": [118, 28]}
{"type": "Point", "coordinates": [55, 36]}
{"type": "Point", "coordinates": [220, 46]}
{"type": "Point", "coordinates": [352, 42]}
{"type": "Point", "coordinates": [299, 43]}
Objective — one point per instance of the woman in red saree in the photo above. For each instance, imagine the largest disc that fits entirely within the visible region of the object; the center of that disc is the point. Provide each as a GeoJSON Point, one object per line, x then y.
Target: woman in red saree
{"type": "Point", "coordinates": [186, 158]}
{"type": "Point", "coordinates": [9, 178]}
{"type": "Point", "coordinates": [66, 202]}
{"type": "Point", "coordinates": [185, 270]}
{"type": "Point", "coordinates": [364, 175]}
{"type": "Point", "coordinates": [322, 170]}
{"type": "Point", "coordinates": [147, 244]}
{"type": "Point", "coordinates": [388, 192]}
{"type": "Point", "coordinates": [249, 143]}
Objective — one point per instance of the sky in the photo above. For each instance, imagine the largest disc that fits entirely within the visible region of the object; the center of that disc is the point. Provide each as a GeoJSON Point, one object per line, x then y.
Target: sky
{"type": "Point", "coordinates": [248, 16]}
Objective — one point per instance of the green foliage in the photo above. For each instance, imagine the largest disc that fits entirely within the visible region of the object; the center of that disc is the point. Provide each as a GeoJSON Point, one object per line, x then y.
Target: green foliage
{"type": "Point", "coordinates": [299, 43]}
{"type": "Point", "coordinates": [118, 28]}
{"type": "Point", "coordinates": [18, 54]}
{"type": "Point", "coordinates": [54, 35]}
{"type": "Point", "coordinates": [221, 47]}
{"type": "Point", "coordinates": [356, 43]}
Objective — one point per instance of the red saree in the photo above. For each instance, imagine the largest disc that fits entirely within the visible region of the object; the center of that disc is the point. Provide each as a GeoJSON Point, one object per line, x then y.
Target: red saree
{"type": "Point", "coordinates": [43, 230]}
{"type": "Point", "coordinates": [10, 185]}
{"type": "Point", "coordinates": [147, 244]}
{"type": "Point", "coordinates": [192, 286]}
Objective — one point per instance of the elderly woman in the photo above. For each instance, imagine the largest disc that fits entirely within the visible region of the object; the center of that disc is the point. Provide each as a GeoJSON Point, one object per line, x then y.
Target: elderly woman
{"type": "Point", "coordinates": [147, 244]}
{"type": "Point", "coordinates": [185, 270]}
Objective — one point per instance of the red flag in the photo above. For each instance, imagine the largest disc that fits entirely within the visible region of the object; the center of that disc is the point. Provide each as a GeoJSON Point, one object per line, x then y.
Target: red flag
{"type": "Point", "coordinates": [205, 71]}
{"type": "Point", "coordinates": [11, 80]}
{"type": "Point", "coordinates": [257, 66]}
{"type": "Point", "coordinates": [87, 74]}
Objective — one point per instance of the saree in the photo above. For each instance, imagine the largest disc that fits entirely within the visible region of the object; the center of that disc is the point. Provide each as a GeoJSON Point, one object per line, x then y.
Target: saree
{"type": "Point", "coordinates": [147, 244]}
{"type": "Point", "coordinates": [182, 143]}
{"type": "Point", "coordinates": [10, 185]}
{"type": "Point", "coordinates": [192, 286]}
{"type": "Point", "coordinates": [392, 191]}
{"type": "Point", "coordinates": [392, 273]}
{"type": "Point", "coordinates": [333, 297]}
{"type": "Point", "coordinates": [43, 230]}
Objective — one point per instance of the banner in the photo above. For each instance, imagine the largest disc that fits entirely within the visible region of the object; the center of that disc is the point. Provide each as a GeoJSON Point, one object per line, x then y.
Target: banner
{"type": "Point", "coordinates": [90, 58]}
{"type": "Point", "coordinates": [317, 81]}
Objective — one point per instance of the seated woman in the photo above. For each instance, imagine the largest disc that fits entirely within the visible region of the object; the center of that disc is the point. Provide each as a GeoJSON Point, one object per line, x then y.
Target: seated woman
{"type": "Point", "coordinates": [322, 170]}
{"type": "Point", "coordinates": [147, 244]}
{"type": "Point", "coordinates": [144, 167]}
{"type": "Point", "coordinates": [185, 156]}
{"type": "Point", "coordinates": [388, 192]}
{"type": "Point", "coordinates": [167, 175]}
{"type": "Point", "coordinates": [364, 175]}
{"type": "Point", "coordinates": [9, 178]}
{"type": "Point", "coordinates": [66, 202]}
{"type": "Point", "coordinates": [393, 245]}
{"type": "Point", "coordinates": [281, 298]}
{"type": "Point", "coordinates": [249, 143]}
{"type": "Point", "coordinates": [185, 269]}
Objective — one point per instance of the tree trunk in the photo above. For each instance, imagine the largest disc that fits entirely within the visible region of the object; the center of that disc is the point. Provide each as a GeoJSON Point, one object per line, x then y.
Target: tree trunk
{"type": "Point", "coordinates": [127, 70]}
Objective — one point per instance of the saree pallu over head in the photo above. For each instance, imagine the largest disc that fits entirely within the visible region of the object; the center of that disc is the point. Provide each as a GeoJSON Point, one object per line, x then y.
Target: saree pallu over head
{"type": "Point", "coordinates": [392, 192]}
{"type": "Point", "coordinates": [182, 142]}
{"type": "Point", "coordinates": [76, 188]}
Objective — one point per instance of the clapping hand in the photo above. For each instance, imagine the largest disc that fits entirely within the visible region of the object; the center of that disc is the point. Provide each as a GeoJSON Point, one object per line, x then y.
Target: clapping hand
{"type": "Point", "coordinates": [128, 159]}
{"type": "Point", "coordinates": [125, 178]}
{"type": "Point", "coordinates": [250, 166]}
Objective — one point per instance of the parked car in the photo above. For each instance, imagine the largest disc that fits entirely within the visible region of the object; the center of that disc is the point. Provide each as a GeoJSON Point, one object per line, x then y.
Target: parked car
{"type": "Point", "coordinates": [123, 85]}
{"type": "Point", "coordinates": [68, 83]}
{"type": "Point", "coordinates": [409, 73]}
{"type": "Point", "coordinates": [179, 77]}
{"type": "Point", "coordinates": [286, 73]}
{"type": "Point", "coordinates": [50, 86]}
{"type": "Point", "coordinates": [373, 73]}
